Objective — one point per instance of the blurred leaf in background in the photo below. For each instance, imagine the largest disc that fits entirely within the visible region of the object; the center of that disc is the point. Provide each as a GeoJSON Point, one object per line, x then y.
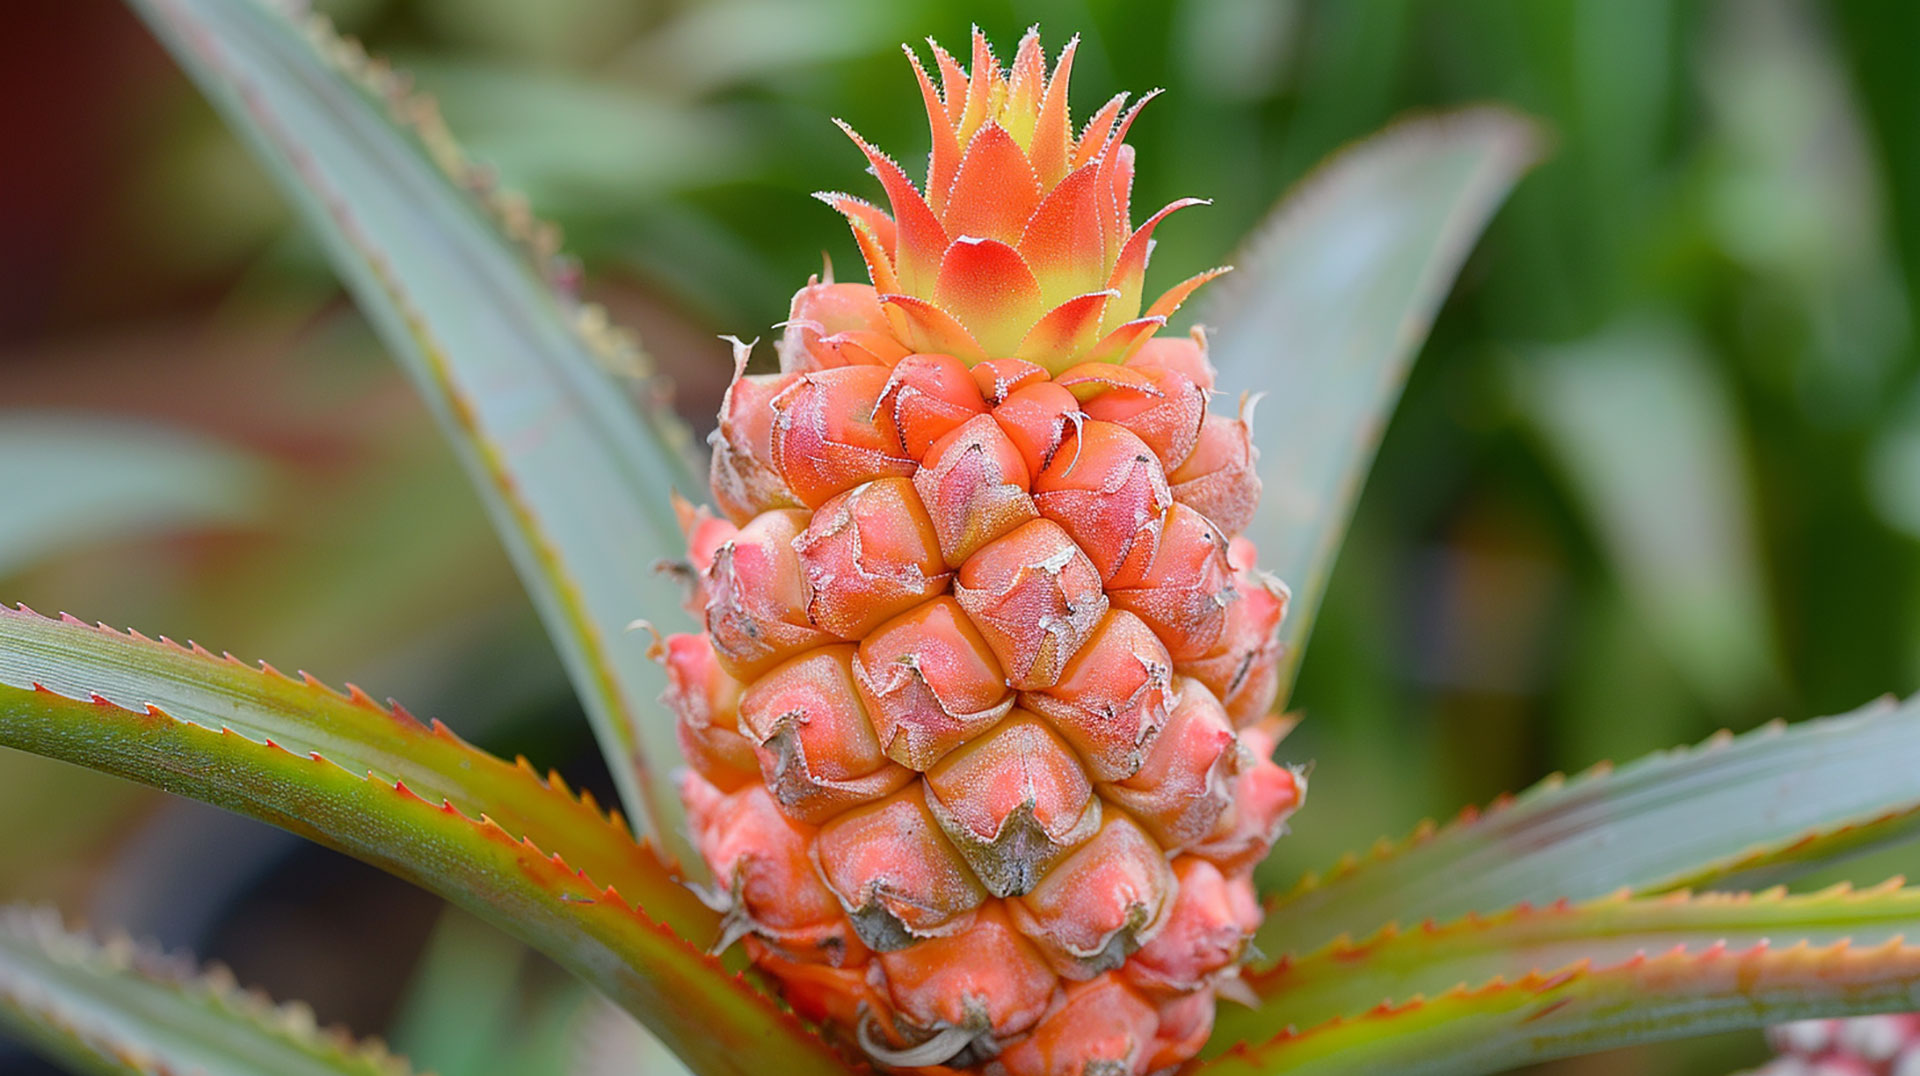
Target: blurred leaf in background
{"type": "Point", "coordinates": [79, 478]}
{"type": "Point", "coordinates": [1644, 429]}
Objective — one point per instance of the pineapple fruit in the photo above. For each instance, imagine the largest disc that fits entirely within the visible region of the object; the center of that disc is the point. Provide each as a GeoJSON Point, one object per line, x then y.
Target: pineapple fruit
{"type": "Point", "coordinates": [979, 731]}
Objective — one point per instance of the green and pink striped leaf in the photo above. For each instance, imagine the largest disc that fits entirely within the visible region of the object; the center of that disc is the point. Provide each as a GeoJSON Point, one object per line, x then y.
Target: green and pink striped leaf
{"type": "Point", "coordinates": [409, 799]}
{"type": "Point", "coordinates": [575, 459]}
{"type": "Point", "coordinates": [189, 684]}
{"type": "Point", "coordinates": [1484, 994]}
{"type": "Point", "coordinates": [1731, 813]}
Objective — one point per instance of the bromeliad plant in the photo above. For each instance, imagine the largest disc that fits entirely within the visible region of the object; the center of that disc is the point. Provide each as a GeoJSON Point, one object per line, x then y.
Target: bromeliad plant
{"type": "Point", "coordinates": [978, 735]}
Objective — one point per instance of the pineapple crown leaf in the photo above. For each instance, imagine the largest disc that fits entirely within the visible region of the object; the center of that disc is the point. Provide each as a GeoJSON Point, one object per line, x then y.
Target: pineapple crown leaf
{"type": "Point", "coordinates": [51, 979]}
{"type": "Point", "coordinates": [1017, 224]}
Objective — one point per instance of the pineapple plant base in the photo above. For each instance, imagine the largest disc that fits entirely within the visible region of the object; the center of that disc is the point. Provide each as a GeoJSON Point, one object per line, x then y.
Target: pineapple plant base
{"type": "Point", "coordinates": [979, 731]}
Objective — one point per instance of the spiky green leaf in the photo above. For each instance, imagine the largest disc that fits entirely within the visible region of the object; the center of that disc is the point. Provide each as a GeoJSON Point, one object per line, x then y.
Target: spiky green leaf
{"type": "Point", "coordinates": [373, 811]}
{"type": "Point", "coordinates": [1587, 1008]}
{"type": "Point", "coordinates": [1347, 978]}
{"type": "Point", "coordinates": [1329, 303]}
{"type": "Point", "coordinates": [467, 289]}
{"type": "Point", "coordinates": [120, 1008]}
{"type": "Point", "coordinates": [351, 730]}
{"type": "Point", "coordinates": [1732, 812]}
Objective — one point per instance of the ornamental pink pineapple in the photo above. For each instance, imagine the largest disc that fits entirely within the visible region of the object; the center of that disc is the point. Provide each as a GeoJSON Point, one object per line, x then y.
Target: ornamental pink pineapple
{"type": "Point", "coordinates": [979, 728]}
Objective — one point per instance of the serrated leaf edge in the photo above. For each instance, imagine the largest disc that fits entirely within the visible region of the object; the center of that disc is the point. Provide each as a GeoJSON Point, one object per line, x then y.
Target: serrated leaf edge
{"type": "Point", "coordinates": [1538, 984]}
{"type": "Point", "coordinates": [595, 895]}
{"type": "Point", "coordinates": [1387, 849]}
{"type": "Point", "coordinates": [1346, 951]}
{"type": "Point", "coordinates": [417, 113]}
{"type": "Point", "coordinates": [417, 118]}
{"type": "Point", "coordinates": [551, 784]}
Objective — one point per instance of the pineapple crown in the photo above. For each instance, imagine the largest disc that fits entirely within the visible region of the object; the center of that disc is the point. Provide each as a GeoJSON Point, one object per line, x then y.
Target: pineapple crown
{"type": "Point", "coordinates": [1021, 244]}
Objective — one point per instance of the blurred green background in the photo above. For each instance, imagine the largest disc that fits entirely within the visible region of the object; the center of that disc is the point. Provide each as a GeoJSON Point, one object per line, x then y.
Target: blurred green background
{"type": "Point", "coordinates": [1657, 473]}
